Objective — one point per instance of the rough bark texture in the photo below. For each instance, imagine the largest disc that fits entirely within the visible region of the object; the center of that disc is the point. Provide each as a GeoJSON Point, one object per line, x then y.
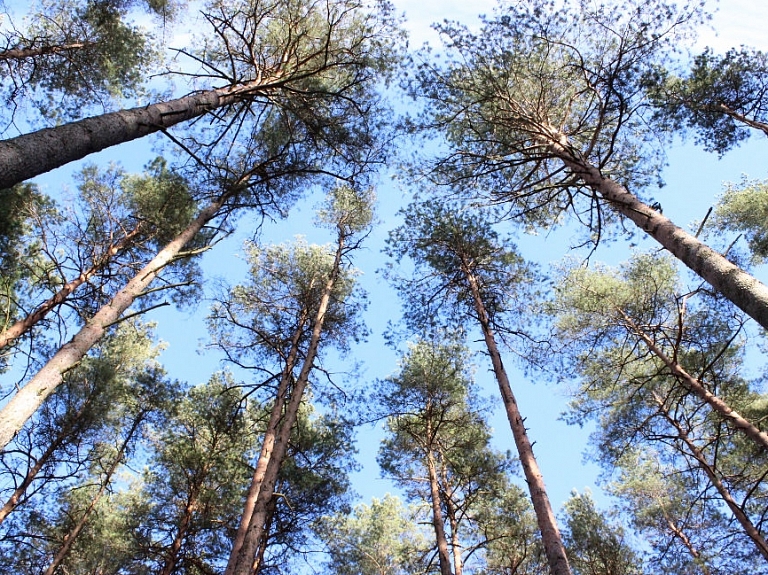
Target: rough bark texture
{"type": "Point", "coordinates": [244, 559]}
{"type": "Point", "coordinates": [24, 325]}
{"type": "Point", "coordinates": [749, 528]}
{"type": "Point", "coordinates": [36, 153]}
{"type": "Point", "coordinates": [29, 398]}
{"type": "Point", "coordinates": [760, 438]}
{"type": "Point", "coordinates": [23, 53]}
{"type": "Point", "coordinates": [746, 292]}
{"type": "Point", "coordinates": [545, 517]}
{"type": "Point", "coordinates": [173, 556]}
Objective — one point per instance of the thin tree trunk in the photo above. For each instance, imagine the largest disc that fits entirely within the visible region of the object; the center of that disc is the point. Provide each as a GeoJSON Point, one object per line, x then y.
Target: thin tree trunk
{"type": "Point", "coordinates": [550, 534]}
{"type": "Point", "coordinates": [181, 532]}
{"type": "Point", "coordinates": [746, 292]}
{"type": "Point", "coordinates": [762, 126]}
{"type": "Point", "coordinates": [760, 438]}
{"type": "Point", "coordinates": [267, 447]}
{"type": "Point", "coordinates": [24, 325]}
{"type": "Point", "coordinates": [29, 398]}
{"type": "Point", "coordinates": [745, 522]}
{"type": "Point", "coordinates": [32, 472]}
{"type": "Point", "coordinates": [244, 561]}
{"type": "Point", "coordinates": [70, 538]}
{"type": "Point", "coordinates": [36, 153]}
{"type": "Point", "coordinates": [443, 555]}
{"type": "Point", "coordinates": [23, 53]}
{"type": "Point", "coordinates": [680, 534]}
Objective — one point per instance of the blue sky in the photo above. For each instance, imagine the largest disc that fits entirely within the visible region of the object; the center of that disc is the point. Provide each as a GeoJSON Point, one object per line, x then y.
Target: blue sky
{"type": "Point", "coordinates": [693, 179]}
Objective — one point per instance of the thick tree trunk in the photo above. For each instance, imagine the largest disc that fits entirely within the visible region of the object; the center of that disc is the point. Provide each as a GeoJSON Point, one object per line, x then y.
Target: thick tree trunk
{"type": "Point", "coordinates": [441, 540]}
{"type": "Point", "coordinates": [70, 538]}
{"type": "Point", "coordinates": [24, 325]}
{"type": "Point", "coordinates": [29, 398]}
{"type": "Point", "coordinates": [746, 292]}
{"type": "Point", "coordinates": [267, 447]}
{"type": "Point", "coordinates": [245, 557]}
{"type": "Point", "coordinates": [746, 523]}
{"type": "Point", "coordinates": [545, 517]}
{"type": "Point", "coordinates": [36, 153]}
{"type": "Point", "coordinates": [760, 438]}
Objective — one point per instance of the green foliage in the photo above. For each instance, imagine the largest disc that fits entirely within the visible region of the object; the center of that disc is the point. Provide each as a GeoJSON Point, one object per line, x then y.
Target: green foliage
{"type": "Point", "coordinates": [744, 208]}
{"type": "Point", "coordinates": [377, 539]}
{"type": "Point", "coordinates": [447, 243]}
{"type": "Point", "coordinates": [595, 545]}
{"type": "Point", "coordinates": [717, 98]}
{"type": "Point", "coordinates": [75, 55]}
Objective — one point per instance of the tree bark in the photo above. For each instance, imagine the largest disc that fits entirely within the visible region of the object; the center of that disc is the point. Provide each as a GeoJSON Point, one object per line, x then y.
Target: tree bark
{"type": "Point", "coordinates": [746, 292]}
{"type": "Point", "coordinates": [745, 522]}
{"type": "Point", "coordinates": [181, 532]}
{"type": "Point", "coordinates": [760, 438]}
{"type": "Point", "coordinates": [245, 557]}
{"type": "Point", "coordinates": [36, 153]}
{"type": "Point", "coordinates": [545, 517]}
{"type": "Point", "coordinates": [23, 53]}
{"type": "Point", "coordinates": [29, 398]}
{"type": "Point", "coordinates": [267, 448]}
{"type": "Point", "coordinates": [24, 325]}
{"type": "Point", "coordinates": [680, 534]}
{"type": "Point", "coordinates": [443, 555]}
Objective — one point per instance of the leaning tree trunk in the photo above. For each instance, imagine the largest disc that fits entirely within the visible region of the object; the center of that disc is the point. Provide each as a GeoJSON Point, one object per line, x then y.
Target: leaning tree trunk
{"type": "Point", "coordinates": [738, 510]}
{"type": "Point", "coordinates": [36, 153]}
{"type": "Point", "coordinates": [241, 562]}
{"type": "Point", "coordinates": [23, 325]}
{"type": "Point", "coordinates": [545, 517]}
{"type": "Point", "coordinates": [758, 437]}
{"type": "Point", "coordinates": [30, 397]}
{"type": "Point", "coordinates": [746, 292]}
{"type": "Point", "coordinates": [267, 447]}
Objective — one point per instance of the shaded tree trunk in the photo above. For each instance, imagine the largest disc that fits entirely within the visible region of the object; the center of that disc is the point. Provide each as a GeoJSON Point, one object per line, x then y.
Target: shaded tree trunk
{"type": "Point", "coordinates": [181, 532]}
{"type": "Point", "coordinates": [437, 516]}
{"type": "Point", "coordinates": [550, 534]}
{"type": "Point", "coordinates": [27, 400]}
{"type": "Point", "coordinates": [680, 534]}
{"type": "Point", "coordinates": [23, 53]}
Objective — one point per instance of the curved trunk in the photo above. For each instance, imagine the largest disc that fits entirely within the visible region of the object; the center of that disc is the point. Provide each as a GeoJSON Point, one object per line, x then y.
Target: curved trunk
{"type": "Point", "coordinates": [746, 292]}
{"type": "Point", "coordinates": [26, 401]}
{"type": "Point", "coordinates": [244, 559]}
{"type": "Point", "coordinates": [545, 517]}
{"type": "Point", "coordinates": [24, 325]}
{"type": "Point", "coordinates": [760, 438]}
{"type": "Point", "coordinates": [746, 523]}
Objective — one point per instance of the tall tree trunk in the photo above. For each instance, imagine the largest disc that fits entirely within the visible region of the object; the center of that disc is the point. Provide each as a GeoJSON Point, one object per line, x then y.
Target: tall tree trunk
{"type": "Point", "coordinates": [258, 564]}
{"type": "Point", "coordinates": [267, 447]}
{"type": "Point", "coordinates": [680, 534]}
{"type": "Point", "coordinates": [36, 153]}
{"type": "Point", "coordinates": [24, 325]}
{"type": "Point", "coordinates": [545, 517]}
{"type": "Point", "coordinates": [746, 292]}
{"type": "Point", "coordinates": [27, 400]}
{"type": "Point", "coordinates": [760, 438]}
{"type": "Point", "coordinates": [746, 523]}
{"type": "Point", "coordinates": [70, 538]}
{"type": "Point", "coordinates": [443, 555]}
{"type": "Point", "coordinates": [245, 557]}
